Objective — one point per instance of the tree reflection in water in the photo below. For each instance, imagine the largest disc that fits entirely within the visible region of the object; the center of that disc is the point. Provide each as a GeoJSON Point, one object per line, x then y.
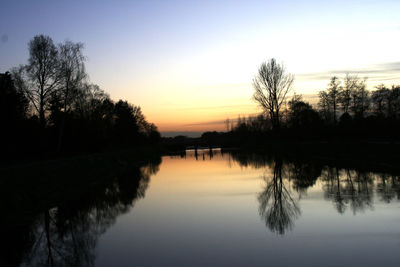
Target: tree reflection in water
{"type": "Point", "coordinates": [348, 188]}
{"type": "Point", "coordinates": [66, 233]}
{"type": "Point", "coordinates": [277, 207]}
{"type": "Point", "coordinates": [388, 187]}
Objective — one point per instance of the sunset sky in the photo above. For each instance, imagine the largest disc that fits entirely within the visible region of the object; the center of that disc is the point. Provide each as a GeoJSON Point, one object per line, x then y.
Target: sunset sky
{"type": "Point", "coordinates": [190, 64]}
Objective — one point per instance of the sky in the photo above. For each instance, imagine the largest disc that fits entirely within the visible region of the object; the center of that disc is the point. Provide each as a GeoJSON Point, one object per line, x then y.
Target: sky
{"type": "Point", "coordinates": [190, 64]}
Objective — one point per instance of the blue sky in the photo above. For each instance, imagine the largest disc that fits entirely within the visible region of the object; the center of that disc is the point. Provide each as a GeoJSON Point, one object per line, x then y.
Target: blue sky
{"type": "Point", "coordinates": [192, 62]}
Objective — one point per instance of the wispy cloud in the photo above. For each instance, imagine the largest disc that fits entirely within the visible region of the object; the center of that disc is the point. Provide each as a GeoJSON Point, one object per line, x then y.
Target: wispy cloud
{"type": "Point", "coordinates": [378, 72]}
{"type": "Point", "coordinates": [219, 122]}
{"type": "Point", "coordinates": [215, 122]}
{"type": "Point", "coordinates": [214, 107]}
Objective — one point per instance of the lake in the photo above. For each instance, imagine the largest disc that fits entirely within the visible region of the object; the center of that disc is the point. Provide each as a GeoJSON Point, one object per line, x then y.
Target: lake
{"type": "Point", "coordinates": [216, 208]}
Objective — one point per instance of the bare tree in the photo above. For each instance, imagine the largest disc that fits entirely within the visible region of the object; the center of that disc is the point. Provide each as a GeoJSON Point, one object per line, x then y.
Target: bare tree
{"type": "Point", "coordinates": [352, 97]}
{"type": "Point", "coordinates": [89, 100]}
{"type": "Point", "coordinates": [333, 93]}
{"type": "Point", "coordinates": [360, 98]}
{"type": "Point", "coordinates": [329, 100]}
{"type": "Point", "coordinates": [271, 86]}
{"type": "Point", "coordinates": [379, 99]}
{"type": "Point", "coordinates": [345, 93]}
{"type": "Point", "coordinates": [71, 73]}
{"type": "Point", "coordinates": [41, 73]}
{"type": "Point", "coordinates": [394, 102]}
{"type": "Point", "coordinates": [324, 105]}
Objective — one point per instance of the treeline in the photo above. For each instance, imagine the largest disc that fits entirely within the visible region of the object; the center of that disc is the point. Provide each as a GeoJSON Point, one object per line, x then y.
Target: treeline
{"type": "Point", "coordinates": [349, 99]}
{"type": "Point", "coordinates": [346, 110]}
{"type": "Point", "coordinates": [49, 106]}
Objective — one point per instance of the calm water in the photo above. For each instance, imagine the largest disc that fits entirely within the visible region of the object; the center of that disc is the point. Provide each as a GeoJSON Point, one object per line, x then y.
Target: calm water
{"type": "Point", "coordinates": [225, 209]}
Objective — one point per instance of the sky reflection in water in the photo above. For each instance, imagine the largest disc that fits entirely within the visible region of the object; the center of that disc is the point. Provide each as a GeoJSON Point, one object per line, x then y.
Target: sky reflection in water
{"type": "Point", "coordinates": [214, 209]}
{"type": "Point", "coordinates": [232, 209]}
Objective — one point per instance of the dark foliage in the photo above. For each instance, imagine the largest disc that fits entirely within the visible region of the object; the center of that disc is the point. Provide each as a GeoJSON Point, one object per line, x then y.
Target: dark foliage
{"type": "Point", "coordinates": [344, 115]}
{"type": "Point", "coordinates": [49, 108]}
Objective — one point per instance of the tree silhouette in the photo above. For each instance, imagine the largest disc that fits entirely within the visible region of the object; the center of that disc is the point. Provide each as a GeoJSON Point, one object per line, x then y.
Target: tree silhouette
{"type": "Point", "coordinates": [329, 100]}
{"type": "Point", "coordinates": [71, 72]}
{"type": "Point", "coordinates": [271, 85]}
{"type": "Point", "coordinates": [13, 119]}
{"type": "Point", "coordinates": [66, 113]}
{"type": "Point", "coordinates": [301, 114]}
{"type": "Point", "coordinates": [39, 77]}
{"type": "Point", "coordinates": [126, 125]}
{"type": "Point", "coordinates": [394, 103]}
{"type": "Point", "coordinates": [345, 92]}
{"type": "Point", "coordinates": [360, 99]}
{"type": "Point", "coordinates": [379, 99]}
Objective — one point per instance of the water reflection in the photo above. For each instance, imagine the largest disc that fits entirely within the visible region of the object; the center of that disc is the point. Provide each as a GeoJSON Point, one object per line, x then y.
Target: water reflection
{"type": "Point", "coordinates": [303, 174]}
{"type": "Point", "coordinates": [348, 188]}
{"type": "Point", "coordinates": [277, 206]}
{"type": "Point", "coordinates": [205, 200]}
{"type": "Point", "coordinates": [388, 187]}
{"type": "Point", "coordinates": [64, 230]}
